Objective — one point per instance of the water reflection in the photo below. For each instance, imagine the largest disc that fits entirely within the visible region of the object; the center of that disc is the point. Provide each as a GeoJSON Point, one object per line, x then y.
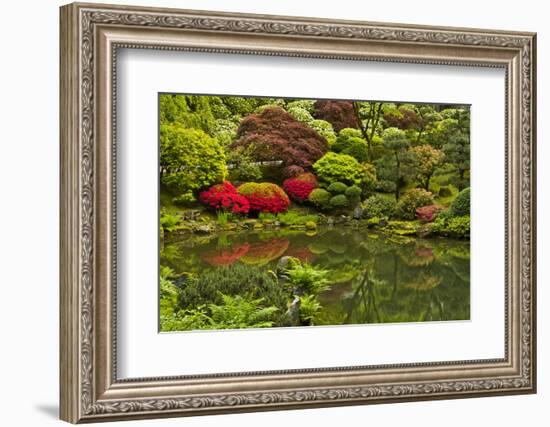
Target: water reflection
{"type": "Point", "coordinates": [374, 278]}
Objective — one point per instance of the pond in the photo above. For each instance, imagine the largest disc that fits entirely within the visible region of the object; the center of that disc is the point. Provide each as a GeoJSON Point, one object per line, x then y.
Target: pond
{"type": "Point", "coordinates": [374, 277]}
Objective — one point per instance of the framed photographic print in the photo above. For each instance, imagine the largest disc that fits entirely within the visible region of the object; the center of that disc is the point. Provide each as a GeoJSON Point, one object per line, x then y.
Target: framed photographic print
{"type": "Point", "coordinates": [265, 212]}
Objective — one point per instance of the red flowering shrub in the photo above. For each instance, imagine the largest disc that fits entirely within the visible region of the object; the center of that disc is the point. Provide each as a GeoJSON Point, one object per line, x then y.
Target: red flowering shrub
{"type": "Point", "coordinates": [428, 213]}
{"type": "Point", "coordinates": [225, 196]}
{"type": "Point", "coordinates": [300, 186]}
{"type": "Point", "coordinates": [264, 197]}
{"type": "Point", "coordinates": [226, 257]}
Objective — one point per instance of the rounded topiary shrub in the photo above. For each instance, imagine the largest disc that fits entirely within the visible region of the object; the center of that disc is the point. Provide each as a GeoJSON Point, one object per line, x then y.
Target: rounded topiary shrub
{"type": "Point", "coordinates": [337, 188]}
{"type": "Point", "coordinates": [333, 167]}
{"type": "Point", "coordinates": [264, 197]}
{"type": "Point", "coordinates": [461, 205]}
{"type": "Point", "coordinates": [339, 201]}
{"type": "Point", "coordinates": [353, 192]}
{"type": "Point", "coordinates": [320, 198]}
{"type": "Point", "coordinates": [378, 207]}
{"type": "Point", "coordinates": [411, 201]}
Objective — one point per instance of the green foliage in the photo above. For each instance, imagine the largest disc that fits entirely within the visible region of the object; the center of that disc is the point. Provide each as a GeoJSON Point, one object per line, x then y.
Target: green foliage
{"type": "Point", "coordinates": [307, 278]}
{"type": "Point", "coordinates": [300, 114]}
{"type": "Point", "coordinates": [310, 308]}
{"type": "Point", "coordinates": [320, 198]}
{"type": "Point", "coordinates": [350, 141]}
{"type": "Point", "coordinates": [445, 191]}
{"type": "Point", "coordinates": [190, 160]}
{"type": "Point", "coordinates": [223, 217]}
{"type": "Point", "coordinates": [186, 111]}
{"type": "Point", "coordinates": [306, 104]}
{"type": "Point", "coordinates": [461, 205]}
{"type": "Point", "coordinates": [378, 207]}
{"type": "Point", "coordinates": [337, 188]}
{"type": "Point", "coordinates": [334, 167]}
{"type": "Point", "coordinates": [353, 193]}
{"type": "Point", "coordinates": [385, 186]}
{"type": "Point", "coordinates": [296, 218]}
{"type": "Point", "coordinates": [452, 226]}
{"type": "Point", "coordinates": [368, 177]}
{"type": "Point", "coordinates": [234, 312]}
{"type": "Point", "coordinates": [237, 312]}
{"type": "Point", "coordinates": [411, 201]}
{"type": "Point", "coordinates": [235, 279]}
{"type": "Point", "coordinates": [169, 222]}
{"type": "Point", "coordinates": [339, 201]}
{"type": "Point", "coordinates": [242, 166]}
{"type": "Point", "coordinates": [324, 129]}
{"type": "Point", "coordinates": [426, 159]}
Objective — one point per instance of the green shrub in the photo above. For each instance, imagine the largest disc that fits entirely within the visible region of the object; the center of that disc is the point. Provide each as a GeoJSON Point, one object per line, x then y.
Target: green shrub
{"type": "Point", "coordinates": [461, 205]}
{"type": "Point", "coordinates": [337, 188]}
{"type": "Point", "coordinates": [295, 218]}
{"type": "Point", "coordinates": [190, 159]}
{"type": "Point", "coordinates": [411, 201]}
{"type": "Point", "coordinates": [339, 201]}
{"type": "Point", "coordinates": [350, 141]}
{"type": "Point", "coordinates": [320, 198]}
{"type": "Point", "coordinates": [333, 167]}
{"type": "Point", "coordinates": [386, 186]}
{"type": "Point", "coordinates": [368, 177]}
{"type": "Point", "coordinates": [452, 226]}
{"type": "Point", "coordinates": [353, 192]}
{"type": "Point", "coordinates": [324, 129]}
{"type": "Point", "coordinates": [378, 207]}
{"type": "Point", "coordinates": [445, 191]}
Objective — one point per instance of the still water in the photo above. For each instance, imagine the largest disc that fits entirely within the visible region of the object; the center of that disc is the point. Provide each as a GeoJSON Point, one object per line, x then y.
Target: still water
{"type": "Point", "coordinates": [374, 278]}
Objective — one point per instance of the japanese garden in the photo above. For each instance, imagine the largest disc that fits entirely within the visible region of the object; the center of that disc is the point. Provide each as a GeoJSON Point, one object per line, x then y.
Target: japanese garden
{"type": "Point", "coordinates": [300, 212]}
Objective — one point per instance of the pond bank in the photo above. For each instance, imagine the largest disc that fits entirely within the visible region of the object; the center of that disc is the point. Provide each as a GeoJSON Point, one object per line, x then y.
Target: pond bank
{"type": "Point", "coordinates": [197, 222]}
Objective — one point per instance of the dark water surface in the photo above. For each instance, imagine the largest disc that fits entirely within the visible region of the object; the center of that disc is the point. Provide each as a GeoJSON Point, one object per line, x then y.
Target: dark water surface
{"type": "Point", "coordinates": [375, 278]}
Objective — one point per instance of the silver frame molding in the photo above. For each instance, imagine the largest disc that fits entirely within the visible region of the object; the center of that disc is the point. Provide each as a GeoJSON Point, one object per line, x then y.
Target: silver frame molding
{"type": "Point", "coordinates": [90, 37]}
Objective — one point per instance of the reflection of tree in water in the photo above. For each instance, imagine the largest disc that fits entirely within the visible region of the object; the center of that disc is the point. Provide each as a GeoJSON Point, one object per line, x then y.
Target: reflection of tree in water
{"type": "Point", "coordinates": [374, 278]}
{"type": "Point", "coordinates": [404, 283]}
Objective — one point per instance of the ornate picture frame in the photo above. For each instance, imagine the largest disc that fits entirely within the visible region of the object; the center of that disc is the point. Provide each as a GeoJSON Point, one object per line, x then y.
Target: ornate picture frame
{"type": "Point", "coordinates": [90, 37]}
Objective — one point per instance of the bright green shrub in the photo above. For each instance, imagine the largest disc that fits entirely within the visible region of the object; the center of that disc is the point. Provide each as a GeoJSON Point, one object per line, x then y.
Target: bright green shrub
{"type": "Point", "coordinates": [368, 177]}
{"type": "Point", "coordinates": [411, 201]}
{"type": "Point", "coordinates": [452, 226]}
{"type": "Point", "coordinates": [324, 129]}
{"type": "Point", "coordinates": [350, 141]}
{"type": "Point", "coordinates": [190, 160]}
{"type": "Point", "coordinates": [461, 205]}
{"type": "Point", "coordinates": [306, 104]}
{"type": "Point", "coordinates": [378, 207]}
{"type": "Point", "coordinates": [334, 167]}
{"type": "Point", "coordinates": [320, 198]}
{"type": "Point", "coordinates": [339, 201]}
{"type": "Point", "coordinates": [300, 114]}
{"type": "Point", "coordinates": [337, 188]}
